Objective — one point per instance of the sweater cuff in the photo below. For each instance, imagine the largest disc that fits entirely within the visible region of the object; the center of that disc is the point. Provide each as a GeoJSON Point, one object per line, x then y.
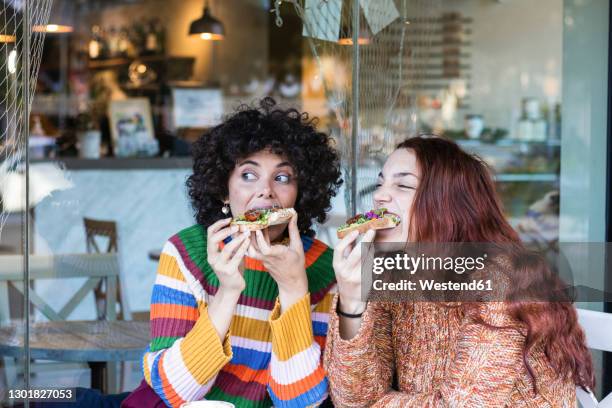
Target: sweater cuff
{"type": "Point", "coordinates": [204, 354]}
{"type": "Point", "coordinates": [292, 330]}
{"type": "Point", "coordinates": [363, 334]}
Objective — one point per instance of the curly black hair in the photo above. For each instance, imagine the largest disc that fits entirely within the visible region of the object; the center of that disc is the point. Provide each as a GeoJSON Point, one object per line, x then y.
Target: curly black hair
{"type": "Point", "coordinates": [249, 130]}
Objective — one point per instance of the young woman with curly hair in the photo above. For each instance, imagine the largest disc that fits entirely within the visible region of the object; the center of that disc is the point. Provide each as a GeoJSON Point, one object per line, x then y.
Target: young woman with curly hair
{"type": "Point", "coordinates": [242, 317]}
{"type": "Point", "coordinates": [509, 351]}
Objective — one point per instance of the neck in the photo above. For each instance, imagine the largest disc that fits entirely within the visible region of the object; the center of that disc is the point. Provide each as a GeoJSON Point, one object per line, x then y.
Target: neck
{"type": "Point", "coordinates": [278, 232]}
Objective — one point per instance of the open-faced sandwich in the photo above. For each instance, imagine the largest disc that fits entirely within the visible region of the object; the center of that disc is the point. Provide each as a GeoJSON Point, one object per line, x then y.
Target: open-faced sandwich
{"type": "Point", "coordinates": [374, 219]}
{"type": "Point", "coordinates": [258, 219]}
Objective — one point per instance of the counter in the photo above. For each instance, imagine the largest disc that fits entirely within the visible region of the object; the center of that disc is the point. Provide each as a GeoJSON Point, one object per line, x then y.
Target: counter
{"type": "Point", "coordinates": [111, 163]}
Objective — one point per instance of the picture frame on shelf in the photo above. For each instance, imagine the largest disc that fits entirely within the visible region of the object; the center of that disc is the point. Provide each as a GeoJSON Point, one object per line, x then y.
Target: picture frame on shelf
{"type": "Point", "coordinates": [131, 124]}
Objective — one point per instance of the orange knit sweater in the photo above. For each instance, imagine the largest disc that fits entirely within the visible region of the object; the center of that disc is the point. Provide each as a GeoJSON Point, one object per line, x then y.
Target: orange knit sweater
{"type": "Point", "coordinates": [441, 357]}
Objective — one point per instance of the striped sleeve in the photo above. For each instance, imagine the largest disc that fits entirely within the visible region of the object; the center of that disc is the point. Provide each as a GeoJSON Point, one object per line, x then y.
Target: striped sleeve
{"type": "Point", "coordinates": [185, 353]}
{"type": "Point", "coordinates": [297, 378]}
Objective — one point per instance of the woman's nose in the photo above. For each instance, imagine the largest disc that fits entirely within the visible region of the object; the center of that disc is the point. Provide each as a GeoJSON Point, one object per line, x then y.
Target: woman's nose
{"type": "Point", "coordinates": [266, 192]}
{"type": "Point", "coordinates": [381, 195]}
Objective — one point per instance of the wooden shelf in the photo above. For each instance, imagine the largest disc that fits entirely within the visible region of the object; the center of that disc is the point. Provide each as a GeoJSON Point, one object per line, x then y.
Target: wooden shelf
{"type": "Point", "coordinates": [448, 43]}
{"type": "Point", "coordinates": [507, 143]}
{"type": "Point", "coordinates": [118, 62]}
{"type": "Point", "coordinates": [526, 177]}
{"type": "Point", "coordinates": [108, 63]}
{"type": "Point", "coordinates": [153, 87]}
{"type": "Point", "coordinates": [446, 20]}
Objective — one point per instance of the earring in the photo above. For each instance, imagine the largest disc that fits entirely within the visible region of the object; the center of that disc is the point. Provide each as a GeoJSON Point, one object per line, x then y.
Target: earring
{"type": "Point", "coordinates": [225, 209]}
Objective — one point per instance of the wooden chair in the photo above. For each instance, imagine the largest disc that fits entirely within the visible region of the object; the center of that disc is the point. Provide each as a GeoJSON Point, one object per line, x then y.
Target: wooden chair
{"type": "Point", "coordinates": [94, 231]}
{"type": "Point", "coordinates": [598, 329]}
{"type": "Point", "coordinates": [96, 268]}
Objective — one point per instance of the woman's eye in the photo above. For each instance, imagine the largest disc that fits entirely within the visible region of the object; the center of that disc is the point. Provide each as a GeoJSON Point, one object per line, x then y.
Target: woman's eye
{"type": "Point", "coordinates": [248, 176]}
{"type": "Point", "coordinates": [378, 185]}
{"type": "Point", "coordinates": [402, 186]}
{"type": "Point", "coordinates": [283, 178]}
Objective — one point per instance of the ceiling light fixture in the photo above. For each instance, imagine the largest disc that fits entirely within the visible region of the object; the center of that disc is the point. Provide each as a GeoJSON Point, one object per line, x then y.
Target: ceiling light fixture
{"type": "Point", "coordinates": [207, 27]}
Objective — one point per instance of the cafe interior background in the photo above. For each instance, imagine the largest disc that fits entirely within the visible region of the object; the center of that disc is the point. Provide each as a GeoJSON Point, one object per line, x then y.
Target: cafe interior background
{"type": "Point", "coordinates": [119, 89]}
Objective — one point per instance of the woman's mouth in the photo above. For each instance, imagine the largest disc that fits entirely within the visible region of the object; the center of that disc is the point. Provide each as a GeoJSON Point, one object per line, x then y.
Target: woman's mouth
{"type": "Point", "coordinates": [264, 207]}
{"type": "Point", "coordinates": [394, 214]}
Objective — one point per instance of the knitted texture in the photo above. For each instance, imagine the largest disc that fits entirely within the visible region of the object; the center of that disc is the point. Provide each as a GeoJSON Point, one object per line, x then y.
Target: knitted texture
{"type": "Point", "coordinates": [442, 357]}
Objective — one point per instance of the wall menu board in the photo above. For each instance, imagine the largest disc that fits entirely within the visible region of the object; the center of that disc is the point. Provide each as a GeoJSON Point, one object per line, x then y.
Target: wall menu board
{"type": "Point", "coordinates": [196, 107]}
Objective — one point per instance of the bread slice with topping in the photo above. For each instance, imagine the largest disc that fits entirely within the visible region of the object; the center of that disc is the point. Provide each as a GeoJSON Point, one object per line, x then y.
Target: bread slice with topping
{"type": "Point", "coordinates": [259, 219]}
{"type": "Point", "coordinates": [374, 219]}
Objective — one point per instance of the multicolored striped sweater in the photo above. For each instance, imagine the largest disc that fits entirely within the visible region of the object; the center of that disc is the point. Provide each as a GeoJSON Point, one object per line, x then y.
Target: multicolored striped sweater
{"type": "Point", "coordinates": [267, 358]}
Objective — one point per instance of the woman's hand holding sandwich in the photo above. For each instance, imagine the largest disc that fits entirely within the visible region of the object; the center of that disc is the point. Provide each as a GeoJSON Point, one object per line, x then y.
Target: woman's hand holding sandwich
{"type": "Point", "coordinates": [347, 266]}
{"type": "Point", "coordinates": [285, 263]}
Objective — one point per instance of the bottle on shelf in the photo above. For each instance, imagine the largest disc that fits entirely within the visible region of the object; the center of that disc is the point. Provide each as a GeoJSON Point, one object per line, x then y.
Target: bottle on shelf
{"type": "Point", "coordinates": [557, 122]}
{"type": "Point", "coordinates": [124, 42]}
{"type": "Point", "coordinates": [95, 43]}
{"type": "Point", "coordinates": [160, 33]}
{"type": "Point", "coordinates": [113, 43]}
{"type": "Point", "coordinates": [531, 126]}
{"type": "Point", "coordinates": [137, 36]}
{"type": "Point", "coordinates": [151, 45]}
{"type": "Point", "coordinates": [539, 130]}
{"type": "Point", "coordinates": [474, 125]}
{"type": "Point", "coordinates": [524, 131]}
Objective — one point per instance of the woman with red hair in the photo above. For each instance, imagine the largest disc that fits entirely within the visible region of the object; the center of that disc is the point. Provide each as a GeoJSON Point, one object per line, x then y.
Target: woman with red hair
{"type": "Point", "coordinates": [510, 352]}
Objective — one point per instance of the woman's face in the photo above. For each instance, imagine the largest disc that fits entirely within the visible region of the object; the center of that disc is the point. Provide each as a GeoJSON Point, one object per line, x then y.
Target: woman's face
{"type": "Point", "coordinates": [395, 191]}
{"type": "Point", "coordinates": [262, 180]}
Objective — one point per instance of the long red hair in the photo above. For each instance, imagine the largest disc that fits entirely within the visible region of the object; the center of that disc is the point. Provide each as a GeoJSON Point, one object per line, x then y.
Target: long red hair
{"type": "Point", "coordinates": [456, 201]}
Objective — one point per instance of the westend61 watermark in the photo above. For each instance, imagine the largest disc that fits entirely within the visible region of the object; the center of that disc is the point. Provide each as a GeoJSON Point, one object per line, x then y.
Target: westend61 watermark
{"type": "Point", "coordinates": [466, 272]}
{"type": "Point", "coordinates": [430, 284]}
